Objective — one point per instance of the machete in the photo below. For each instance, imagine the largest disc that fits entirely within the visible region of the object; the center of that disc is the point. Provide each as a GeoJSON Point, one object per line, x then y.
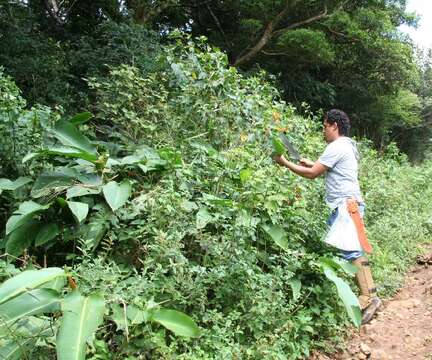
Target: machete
{"type": "Point", "coordinates": [294, 154]}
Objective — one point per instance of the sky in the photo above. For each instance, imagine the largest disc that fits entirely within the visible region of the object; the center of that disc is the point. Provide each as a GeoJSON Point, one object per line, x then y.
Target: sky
{"type": "Point", "coordinates": [422, 36]}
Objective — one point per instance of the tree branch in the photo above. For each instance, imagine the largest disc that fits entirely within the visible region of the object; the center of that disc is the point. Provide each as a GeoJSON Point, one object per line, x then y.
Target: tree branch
{"type": "Point", "coordinates": [349, 38]}
{"type": "Point", "coordinates": [274, 53]}
{"type": "Point", "coordinates": [143, 16]}
{"type": "Point", "coordinates": [218, 24]}
{"type": "Point", "coordinates": [246, 54]}
{"type": "Point", "coordinates": [270, 32]}
{"type": "Point", "coordinates": [54, 11]}
{"type": "Point", "coordinates": [301, 23]}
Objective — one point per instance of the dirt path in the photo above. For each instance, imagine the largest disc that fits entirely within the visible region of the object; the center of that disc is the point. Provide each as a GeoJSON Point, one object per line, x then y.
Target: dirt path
{"type": "Point", "coordinates": [403, 328]}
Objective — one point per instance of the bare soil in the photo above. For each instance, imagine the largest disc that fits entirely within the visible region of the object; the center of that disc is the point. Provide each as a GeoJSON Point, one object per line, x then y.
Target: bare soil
{"type": "Point", "coordinates": [403, 328]}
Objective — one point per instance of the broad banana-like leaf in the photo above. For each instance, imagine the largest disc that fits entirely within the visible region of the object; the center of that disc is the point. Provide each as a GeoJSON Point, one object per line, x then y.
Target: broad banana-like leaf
{"type": "Point", "coordinates": [339, 264]}
{"type": "Point", "coordinates": [278, 235]}
{"type": "Point", "coordinates": [6, 184]}
{"type": "Point", "coordinates": [57, 284]}
{"type": "Point", "coordinates": [69, 152]}
{"type": "Point", "coordinates": [56, 179]}
{"type": "Point", "coordinates": [34, 302]}
{"type": "Point", "coordinates": [47, 233]}
{"type": "Point", "coordinates": [81, 118]}
{"type": "Point", "coordinates": [25, 211]}
{"type": "Point", "coordinates": [176, 321]}
{"type": "Point", "coordinates": [116, 194]}
{"type": "Point", "coordinates": [345, 293]}
{"type": "Point", "coordinates": [81, 318]}
{"type": "Point", "coordinates": [14, 349]}
{"type": "Point", "coordinates": [21, 338]}
{"type": "Point", "coordinates": [28, 280]}
{"type": "Point", "coordinates": [69, 135]}
{"type": "Point", "coordinates": [22, 237]}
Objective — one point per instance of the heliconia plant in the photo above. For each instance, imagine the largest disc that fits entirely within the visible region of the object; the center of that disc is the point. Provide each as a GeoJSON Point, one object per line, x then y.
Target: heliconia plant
{"type": "Point", "coordinates": [35, 305]}
{"type": "Point", "coordinates": [68, 185]}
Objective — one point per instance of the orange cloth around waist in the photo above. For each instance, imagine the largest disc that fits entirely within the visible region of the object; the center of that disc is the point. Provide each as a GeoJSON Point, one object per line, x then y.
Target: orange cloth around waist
{"type": "Point", "coordinates": [354, 212]}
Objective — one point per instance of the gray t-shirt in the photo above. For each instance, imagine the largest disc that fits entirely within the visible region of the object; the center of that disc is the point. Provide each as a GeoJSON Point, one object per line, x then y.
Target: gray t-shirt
{"type": "Point", "coordinates": [341, 157]}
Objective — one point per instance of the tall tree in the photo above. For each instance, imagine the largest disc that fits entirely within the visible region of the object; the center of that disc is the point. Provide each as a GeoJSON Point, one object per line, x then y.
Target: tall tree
{"type": "Point", "coordinates": [347, 54]}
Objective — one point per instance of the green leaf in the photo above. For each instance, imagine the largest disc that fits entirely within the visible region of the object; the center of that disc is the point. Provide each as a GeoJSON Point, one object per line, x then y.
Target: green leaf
{"type": "Point", "coordinates": [69, 135]}
{"type": "Point", "coordinates": [30, 156]}
{"type": "Point", "coordinates": [188, 206]}
{"type": "Point", "coordinates": [57, 181]}
{"type": "Point", "coordinates": [135, 315]}
{"type": "Point", "coordinates": [69, 152]}
{"type": "Point", "coordinates": [339, 264]}
{"type": "Point", "coordinates": [278, 235]}
{"type": "Point", "coordinates": [245, 175]}
{"type": "Point", "coordinates": [22, 237]}
{"type": "Point", "coordinates": [81, 318]}
{"type": "Point", "coordinates": [34, 302]}
{"type": "Point", "coordinates": [203, 217]}
{"type": "Point", "coordinates": [80, 190]}
{"type": "Point", "coordinates": [214, 200]}
{"type": "Point", "coordinates": [20, 338]}
{"type": "Point", "coordinates": [81, 118]}
{"type": "Point", "coordinates": [176, 321]}
{"type": "Point", "coordinates": [28, 280]}
{"type": "Point", "coordinates": [295, 287]}
{"type": "Point", "coordinates": [56, 284]}
{"type": "Point", "coordinates": [278, 147]}
{"type": "Point", "coordinates": [116, 194]}
{"type": "Point", "coordinates": [79, 209]}
{"type": "Point", "coordinates": [130, 159]}
{"type": "Point", "coordinates": [6, 184]}
{"type": "Point", "coordinates": [119, 316]}
{"type": "Point", "coordinates": [345, 293]}
{"type": "Point", "coordinates": [95, 229]}
{"type": "Point", "coordinates": [13, 350]}
{"type": "Point", "coordinates": [62, 202]}
{"type": "Point", "coordinates": [24, 214]}
{"type": "Point", "coordinates": [47, 233]}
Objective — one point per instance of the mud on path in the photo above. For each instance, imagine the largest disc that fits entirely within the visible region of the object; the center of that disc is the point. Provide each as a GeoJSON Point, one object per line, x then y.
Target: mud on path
{"type": "Point", "coordinates": [403, 328]}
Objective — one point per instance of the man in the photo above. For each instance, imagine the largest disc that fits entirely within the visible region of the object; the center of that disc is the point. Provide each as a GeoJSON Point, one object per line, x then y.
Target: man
{"type": "Point", "coordinates": [340, 163]}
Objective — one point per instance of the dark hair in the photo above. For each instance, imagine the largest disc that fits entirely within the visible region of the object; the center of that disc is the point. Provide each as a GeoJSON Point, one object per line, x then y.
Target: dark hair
{"type": "Point", "coordinates": [340, 118]}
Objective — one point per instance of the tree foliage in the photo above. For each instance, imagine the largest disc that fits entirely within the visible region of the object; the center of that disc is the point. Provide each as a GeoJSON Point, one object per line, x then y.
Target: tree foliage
{"type": "Point", "coordinates": [332, 53]}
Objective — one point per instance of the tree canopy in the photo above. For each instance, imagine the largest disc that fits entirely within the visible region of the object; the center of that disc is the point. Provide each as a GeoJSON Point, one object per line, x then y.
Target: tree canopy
{"type": "Point", "coordinates": [333, 53]}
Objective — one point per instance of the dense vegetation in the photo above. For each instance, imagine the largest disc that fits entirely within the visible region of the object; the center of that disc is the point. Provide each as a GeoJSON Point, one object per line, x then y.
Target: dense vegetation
{"type": "Point", "coordinates": [163, 199]}
{"type": "Point", "coordinates": [333, 53]}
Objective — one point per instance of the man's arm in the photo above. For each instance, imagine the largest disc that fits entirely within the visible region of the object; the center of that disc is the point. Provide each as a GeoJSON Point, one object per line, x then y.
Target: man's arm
{"type": "Point", "coordinates": [309, 172]}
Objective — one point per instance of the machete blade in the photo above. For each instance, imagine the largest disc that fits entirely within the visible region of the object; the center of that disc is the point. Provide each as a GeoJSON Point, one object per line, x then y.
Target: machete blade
{"type": "Point", "coordinates": [291, 149]}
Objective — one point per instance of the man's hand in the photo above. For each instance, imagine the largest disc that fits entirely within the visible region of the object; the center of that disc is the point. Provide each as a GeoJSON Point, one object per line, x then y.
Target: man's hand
{"type": "Point", "coordinates": [306, 162]}
{"type": "Point", "coordinates": [280, 159]}
{"type": "Point", "coordinates": [305, 168]}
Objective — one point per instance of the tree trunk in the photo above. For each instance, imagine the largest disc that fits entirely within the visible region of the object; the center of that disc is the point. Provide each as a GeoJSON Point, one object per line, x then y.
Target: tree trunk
{"type": "Point", "coordinates": [246, 54]}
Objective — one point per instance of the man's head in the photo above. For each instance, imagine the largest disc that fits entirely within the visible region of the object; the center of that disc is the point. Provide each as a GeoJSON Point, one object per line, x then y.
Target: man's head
{"type": "Point", "coordinates": [336, 123]}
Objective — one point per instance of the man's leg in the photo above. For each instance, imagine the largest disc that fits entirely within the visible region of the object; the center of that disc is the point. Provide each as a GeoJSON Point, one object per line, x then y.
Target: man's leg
{"type": "Point", "coordinates": [368, 299]}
